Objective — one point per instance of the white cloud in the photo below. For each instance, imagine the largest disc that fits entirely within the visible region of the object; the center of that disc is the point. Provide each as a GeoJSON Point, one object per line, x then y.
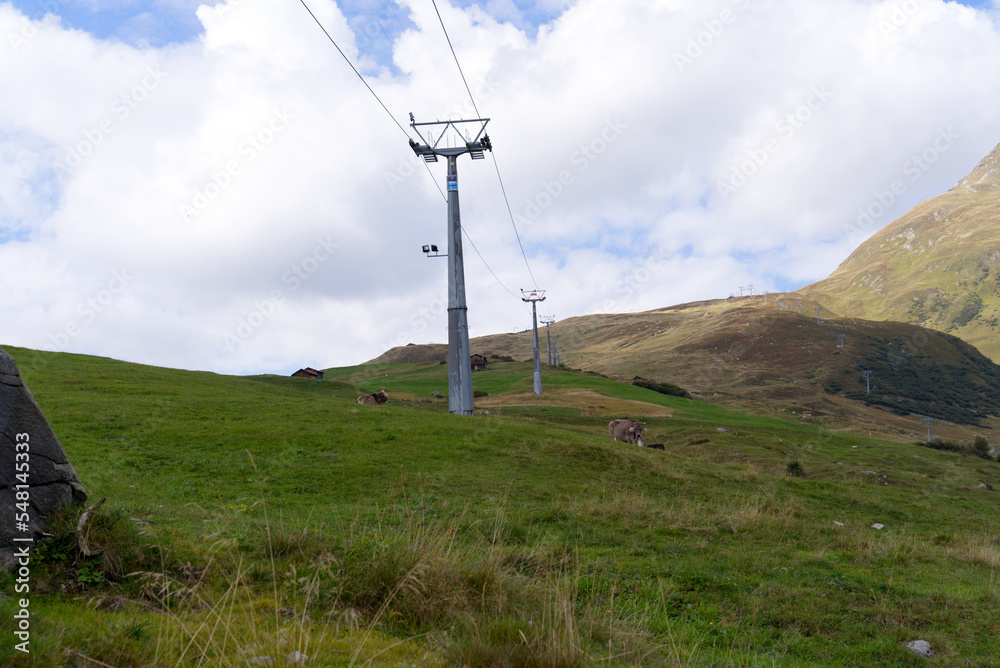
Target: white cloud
{"type": "Point", "coordinates": [614, 127]}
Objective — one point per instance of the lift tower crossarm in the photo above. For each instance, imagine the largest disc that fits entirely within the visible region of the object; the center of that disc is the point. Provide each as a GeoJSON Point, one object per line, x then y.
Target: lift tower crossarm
{"type": "Point", "coordinates": [429, 150]}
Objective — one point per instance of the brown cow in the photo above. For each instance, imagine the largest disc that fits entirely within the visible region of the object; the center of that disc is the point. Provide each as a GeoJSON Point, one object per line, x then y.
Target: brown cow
{"type": "Point", "coordinates": [629, 431]}
{"type": "Point", "coordinates": [379, 397]}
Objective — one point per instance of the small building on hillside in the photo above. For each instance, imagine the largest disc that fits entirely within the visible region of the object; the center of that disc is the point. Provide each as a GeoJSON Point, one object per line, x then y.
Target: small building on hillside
{"type": "Point", "coordinates": [478, 362]}
{"type": "Point", "coordinates": [308, 372]}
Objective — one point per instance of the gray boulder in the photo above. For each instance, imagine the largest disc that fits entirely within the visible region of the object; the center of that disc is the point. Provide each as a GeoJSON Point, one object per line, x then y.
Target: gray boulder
{"type": "Point", "coordinates": [920, 648]}
{"type": "Point", "coordinates": [29, 449]}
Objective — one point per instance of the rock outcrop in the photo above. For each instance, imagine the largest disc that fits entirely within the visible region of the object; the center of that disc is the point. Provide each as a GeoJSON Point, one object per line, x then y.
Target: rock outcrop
{"type": "Point", "coordinates": [30, 454]}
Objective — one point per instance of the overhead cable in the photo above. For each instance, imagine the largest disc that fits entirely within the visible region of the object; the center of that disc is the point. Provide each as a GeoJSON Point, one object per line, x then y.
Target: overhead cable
{"type": "Point", "coordinates": [332, 41]}
{"type": "Point", "coordinates": [492, 153]}
{"type": "Point", "coordinates": [469, 239]}
{"type": "Point", "coordinates": [443, 196]}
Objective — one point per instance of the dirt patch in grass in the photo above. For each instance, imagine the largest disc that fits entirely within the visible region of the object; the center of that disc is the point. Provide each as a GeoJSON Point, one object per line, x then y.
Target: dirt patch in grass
{"type": "Point", "coordinates": [587, 401]}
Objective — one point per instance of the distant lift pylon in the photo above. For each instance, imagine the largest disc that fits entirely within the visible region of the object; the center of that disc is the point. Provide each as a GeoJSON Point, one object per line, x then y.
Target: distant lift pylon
{"type": "Point", "coordinates": [535, 296]}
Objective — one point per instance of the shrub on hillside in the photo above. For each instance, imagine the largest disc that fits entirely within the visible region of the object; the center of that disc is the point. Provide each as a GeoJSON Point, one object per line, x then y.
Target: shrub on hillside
{"type": "Point", "coordinates": [938, 444]}
{"type": "Point", "coordinates": [480, 393]}
{"type": "Point", "coordinates": [969, 311]}
{"type": "Point", "coordinates": [663, 388]}
{"type": "Point", "coordinates": [795, 469]}
{"type": "Point", "coordinates": [979, 448]}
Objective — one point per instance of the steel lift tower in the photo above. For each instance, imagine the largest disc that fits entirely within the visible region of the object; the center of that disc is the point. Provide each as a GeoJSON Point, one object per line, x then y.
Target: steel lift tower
{"type": "Point", "coordinates": [548, 320]}
{"type": "Point", "coordinates": [927, 421]}
{"type": "Point", "coordinates": [450, 145]}
{"type": "Point", "coordinates": [534, 297]}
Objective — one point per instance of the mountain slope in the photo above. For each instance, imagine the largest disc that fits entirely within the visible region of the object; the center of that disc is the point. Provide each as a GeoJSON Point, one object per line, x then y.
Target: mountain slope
{"type": "Point", "coordinates": [936, 266]}
{"type": "Point", "coordinates": [764, 357]}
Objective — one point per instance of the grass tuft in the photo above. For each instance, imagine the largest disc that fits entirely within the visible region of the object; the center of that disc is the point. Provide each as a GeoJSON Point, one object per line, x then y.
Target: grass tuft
{"type": "Point", "coordinates": [795, 469]}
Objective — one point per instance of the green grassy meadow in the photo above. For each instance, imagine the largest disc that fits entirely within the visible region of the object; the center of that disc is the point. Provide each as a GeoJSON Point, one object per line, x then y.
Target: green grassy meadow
{"type": "Point", "coordinates": [259, 516]}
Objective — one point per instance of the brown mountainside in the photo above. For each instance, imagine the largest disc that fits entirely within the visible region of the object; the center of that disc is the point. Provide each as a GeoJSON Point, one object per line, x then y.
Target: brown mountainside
{"type": "Point", "coordinates": [769, 358]}
{"type": "Point", "coordinates": [937, 266]}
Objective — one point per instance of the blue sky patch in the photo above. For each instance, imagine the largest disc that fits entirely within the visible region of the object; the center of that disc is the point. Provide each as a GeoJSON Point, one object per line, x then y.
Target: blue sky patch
{"type": "Point", "coordinates": [159, 22]}
{"type": "Point", "coordinates": [153, 22]}
{"type": "Point", "coordinates": [31, 184]}
{"type": "Point", "coordinates": [377, 23]}
{"type": "Point", "coordinates": [9, 234]}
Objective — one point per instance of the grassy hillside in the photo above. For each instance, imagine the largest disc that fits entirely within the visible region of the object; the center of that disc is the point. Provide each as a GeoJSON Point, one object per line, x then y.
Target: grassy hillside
{"type": "Point", "coordinates": [935, 266]}
{"type": "Point", "coordinates": [251, 517]}
{"type": "Point", "coordinates": [770, 358]}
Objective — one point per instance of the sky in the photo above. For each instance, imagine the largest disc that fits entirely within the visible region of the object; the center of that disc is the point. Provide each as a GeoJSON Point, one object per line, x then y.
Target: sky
{"type": "Point", "coordinates": [211, 186]}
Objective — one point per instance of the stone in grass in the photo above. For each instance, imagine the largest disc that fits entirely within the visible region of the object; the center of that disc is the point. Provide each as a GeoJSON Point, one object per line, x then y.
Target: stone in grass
{"type": "Point", "coordinates": [30, 454]}
{"type": "Point", "coordinates": [297, 657]}
{"type": "Point", "coordinates": [920, 648]}
{"type": "Point", "coordinates": [878, 526]}
{"type": "Point", "coordinates": [261, 661]}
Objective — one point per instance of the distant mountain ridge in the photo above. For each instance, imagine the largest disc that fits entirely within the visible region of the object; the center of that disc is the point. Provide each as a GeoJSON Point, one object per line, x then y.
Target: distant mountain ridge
{"type": "Point", "coordinates": [937, 266]}
{"type": "Point", "coordinates": [768, 357]}
{"type": "Point", "coordinates": [909, 301]}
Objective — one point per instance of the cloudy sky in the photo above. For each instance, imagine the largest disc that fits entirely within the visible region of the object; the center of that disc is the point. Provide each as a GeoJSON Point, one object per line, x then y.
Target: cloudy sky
{"type": "Point", "coordinates": [212, 187]}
